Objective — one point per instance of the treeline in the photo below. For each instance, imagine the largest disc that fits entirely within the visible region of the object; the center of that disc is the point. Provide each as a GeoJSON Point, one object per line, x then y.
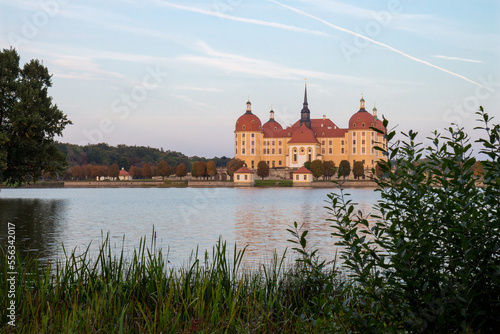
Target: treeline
{"type": "Point", "coordinates": [102, 155]}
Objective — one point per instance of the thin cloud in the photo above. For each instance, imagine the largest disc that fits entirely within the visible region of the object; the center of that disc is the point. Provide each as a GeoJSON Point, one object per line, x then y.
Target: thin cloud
{"type": "Point", "coordinates": [456, 58]}
{"type": "Point", "coordinates": [298, 11]}
{"type": "Point", "coordinates": [200, 89]}
{"type": "Point", "coordinates": [240, 19]}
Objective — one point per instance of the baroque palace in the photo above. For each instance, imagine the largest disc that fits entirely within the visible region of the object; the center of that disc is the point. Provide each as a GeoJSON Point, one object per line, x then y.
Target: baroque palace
{"type": "Point", "coordinates": [308, 139]}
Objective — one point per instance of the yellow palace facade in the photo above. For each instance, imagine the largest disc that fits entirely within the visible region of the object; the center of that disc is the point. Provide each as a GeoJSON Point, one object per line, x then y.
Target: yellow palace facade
{"type": "Point", "coordinates": [308, 139]}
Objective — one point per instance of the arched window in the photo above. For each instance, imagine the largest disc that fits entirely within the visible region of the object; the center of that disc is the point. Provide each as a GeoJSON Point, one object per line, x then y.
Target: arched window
{"type": "Point", "coordinates": [353, 125]}
{"type": "Point", "coordinates": [244, 127]}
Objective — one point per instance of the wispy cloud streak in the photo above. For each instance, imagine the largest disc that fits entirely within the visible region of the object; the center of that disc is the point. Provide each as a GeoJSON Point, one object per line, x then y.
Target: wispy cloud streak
{"type": "Point", "coordinates": [298, 11]}
{"type": "Point", "coordinates": [240, 19]}
{"type": "Point", "coordinates": [456, 58]}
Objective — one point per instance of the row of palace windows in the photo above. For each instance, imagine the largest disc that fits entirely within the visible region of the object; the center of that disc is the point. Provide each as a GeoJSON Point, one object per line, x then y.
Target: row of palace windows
{"type": "Point", "coordinates": [269, 163]}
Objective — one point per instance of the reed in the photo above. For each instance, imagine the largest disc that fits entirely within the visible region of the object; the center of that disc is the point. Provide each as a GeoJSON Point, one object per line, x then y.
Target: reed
{"type": "Point", "coordinates": [107, 292]}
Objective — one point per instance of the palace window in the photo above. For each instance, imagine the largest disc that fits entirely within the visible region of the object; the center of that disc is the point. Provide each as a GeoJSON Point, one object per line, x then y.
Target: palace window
{"type": "Point", "coordinates": [273, 163]}
{"type": "Point", "coordinates": [279, 143]}
{"type": "Point", "coordinates": [297, 177]}
{"type": "Point", "coordinates": [253, 143]}
{"type": "Point", "coordinates": [244, 127]}
{"type": "Point", "coordinates": [354, 150]}
{"type": "Point", "coordinates": [273, 143]}
{"type": "Point", "coordinates": [246, 176]}
{"type": "Point", "coordinates": [342, 142]}
{"type": "Point", "coordinates": [322, 151]}
{"type": "Point", "coordinates": [342, 150]}
{"type": "Point", "coordinates": [330, 143]}
{"type": "Point", "coordinates": [272, 151]}
{"type": "Point", "coordinates": [253, 121]}
{"type": "Point", "coordinates": [243, 143]}
{"type": "Point", "coordinates": [353, 125]}
{"type": "Point", "coordinates": [242, 151]}
{"type": "Point", "coordinates": [305, 177]}
{"type": "Point", "coordinates": [363, 150]}
{"type": "Point", "coordinates": [253, 135]}
{"type": "Point", "coordinates": [253, 164]}
{"type": "Point", "coordinates": [363, 125]}
{"type": "Point", "coordinates": [243, 135]}
{"type": "Point", "coordinates": [279, 162]}
{"type": "Point", "coordinates": [354, 141]}
{"type": "Point", "coordinates": [279, 151]}
{"type": "Point", "coordinates": [363, 134]}
{"type": "Point", "coordinates": [363, 142]}
{"type": "Point", "coordinates": [253, 151]}
{"type": "Point", "coordinates": [330, 150]}
{"type": "Point", "coordinates": [323, 142]}
{"type": "Point", "coordinates": [238, 177]}
{"type": "Point", "coordinates": [236, 151]}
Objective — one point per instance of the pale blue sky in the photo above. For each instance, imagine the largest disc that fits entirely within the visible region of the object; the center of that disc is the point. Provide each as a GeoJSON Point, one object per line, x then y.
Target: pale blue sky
{"type": "Point", "coordinates": [177, 74]}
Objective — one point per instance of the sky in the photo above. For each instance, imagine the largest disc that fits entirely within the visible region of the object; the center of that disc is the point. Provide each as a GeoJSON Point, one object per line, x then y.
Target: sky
{"type": "Point", "coordinates": [177, 74]}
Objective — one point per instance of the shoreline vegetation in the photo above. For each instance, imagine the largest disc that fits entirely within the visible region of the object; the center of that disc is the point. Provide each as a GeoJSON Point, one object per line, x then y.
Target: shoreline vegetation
{"type": "Point", "coordinates": [190, 183]}
{"type": "Point", "coordinates": [426, 259]}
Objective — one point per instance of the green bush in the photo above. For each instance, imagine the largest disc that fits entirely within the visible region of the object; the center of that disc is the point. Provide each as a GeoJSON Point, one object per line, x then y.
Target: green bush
{"type": "Point", "coordinates": [428, 260]}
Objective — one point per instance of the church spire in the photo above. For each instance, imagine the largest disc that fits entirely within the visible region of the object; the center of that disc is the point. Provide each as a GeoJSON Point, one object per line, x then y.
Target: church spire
{"type": "Point", "coordinates": [305, 114]}
{"type": "Point", "coordinates": [362, 103]}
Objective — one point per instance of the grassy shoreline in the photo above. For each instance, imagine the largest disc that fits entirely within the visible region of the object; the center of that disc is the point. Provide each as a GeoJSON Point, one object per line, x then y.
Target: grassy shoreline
{"type": "Point", "coordinates": [143, 295]}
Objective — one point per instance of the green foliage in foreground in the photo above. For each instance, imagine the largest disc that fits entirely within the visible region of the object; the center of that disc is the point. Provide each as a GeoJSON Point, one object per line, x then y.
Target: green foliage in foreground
{"type": "Point", "coordinates": [107, 294]}
{"type": "Point", "coordinates": [428, 260]}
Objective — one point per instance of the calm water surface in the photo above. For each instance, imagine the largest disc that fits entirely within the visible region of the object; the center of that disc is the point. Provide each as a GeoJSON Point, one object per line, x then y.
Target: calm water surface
{"type": "Point", "coordinates": [183, 218]}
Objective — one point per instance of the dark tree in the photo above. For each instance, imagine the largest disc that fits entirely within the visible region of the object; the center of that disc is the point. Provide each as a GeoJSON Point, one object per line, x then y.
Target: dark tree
{"type": "Point", "coordinates": [317, 168]}
{"type": "Point", "coordinates": [328, 169]}
{"type": "Point", "coordinates": [307, 164]}
{"type": "Point", "coordinates": [211, 168]}
{"type": "Point", "coordinates": [164, 169]}
{"type": "Point", "coordinates": [233, 165]}
{"type": "Point", "coordinates": [114, 170]}
{"type": "Point", "coordinates": [344, 168]}
{"type": "Point", "coordinates": [181, 170]}
{"type": "Point", "coordinates": [146, 171]}
{"type": "Point", "coordinates": [194, 169]}
{"type": "Point", "coordinates": [262, 169]}
{"type": "Point", "coordinates": [201, 169]}
{"type": "Point", "coordinates": [29, 121]}
{"type": "Point", "coordinates": [358, 169]}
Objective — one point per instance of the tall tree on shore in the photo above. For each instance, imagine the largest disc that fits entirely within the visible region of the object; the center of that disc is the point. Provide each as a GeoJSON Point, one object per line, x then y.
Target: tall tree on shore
{"type": "Point", "coordinates": [211, 169]}
{"type": "Point", "coordinates": [181, 170]}
{"type": "Point", "coordinates": [344, 168]}
{"type": "Point", "coordinates": [164, 169]}
{"type": "Point", "coordinates": [201, 168]}
{"type": "Point", "coordinates": [328, 169]}
{"type": "Point", "coordinates": [233, 165]}
{"type": "Point", "coordinates": [29, 121]}
{"type": "Point", "coordinates": [358, 169]}
{"type": "Point", "coordinates": [146, 171]}
{"type": "Point", "coordinates": [114, 170]}
{"type": "Point", "coordinates": [262, 169]}
{"type": "Point", "coordinates": [317, 168]}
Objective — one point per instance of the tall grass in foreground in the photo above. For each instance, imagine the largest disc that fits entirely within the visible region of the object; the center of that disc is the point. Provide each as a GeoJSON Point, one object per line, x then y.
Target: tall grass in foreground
{"type": "Point", "coordinates": [109, 294]}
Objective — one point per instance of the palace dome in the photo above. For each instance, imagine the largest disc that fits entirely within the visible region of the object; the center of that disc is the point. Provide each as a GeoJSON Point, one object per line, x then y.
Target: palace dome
{"type": "Point", "coordinates": [361, 120]}
{"type": "Point", "coordinates": [248, 121]}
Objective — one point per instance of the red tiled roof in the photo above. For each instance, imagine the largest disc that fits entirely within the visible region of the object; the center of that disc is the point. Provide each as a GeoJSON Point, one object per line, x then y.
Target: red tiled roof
{"type": "Point", "coordinates": [244, 170]}
{"type": "Point", "coordinates": [364, 120]}
{"type": "Point", "coordinates": [250, 121]}
{"type": "Point", "coordinates": [123, 172]}
{"type": "Point", "coordinates": [302, 170]}
{"type": "Point", "coordinates": [303, 135]}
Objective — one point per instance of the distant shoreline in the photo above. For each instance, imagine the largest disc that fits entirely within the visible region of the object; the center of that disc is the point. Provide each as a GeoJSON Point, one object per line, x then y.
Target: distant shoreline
{"type": "Point", "coordinates": [192, 184]}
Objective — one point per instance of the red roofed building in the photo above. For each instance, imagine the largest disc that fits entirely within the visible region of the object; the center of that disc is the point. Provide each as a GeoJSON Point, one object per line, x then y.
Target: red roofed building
{"type": "Point", "coordinates": [124, 175]}
{"type": "Point", "coordinates": [308, 139]}
{"type": "Point", "coordinates": [244, 177]}
{"type": "Point", "coordinates": [302, 176]}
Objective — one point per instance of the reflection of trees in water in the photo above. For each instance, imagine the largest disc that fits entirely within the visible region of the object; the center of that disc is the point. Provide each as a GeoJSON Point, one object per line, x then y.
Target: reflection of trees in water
{"type": "Point", "coordinates": [38, 222]}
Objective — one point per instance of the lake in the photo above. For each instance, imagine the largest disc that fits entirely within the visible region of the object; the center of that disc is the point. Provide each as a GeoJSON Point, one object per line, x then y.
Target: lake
{"type": "Point", "coordinates": [183, 218]}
